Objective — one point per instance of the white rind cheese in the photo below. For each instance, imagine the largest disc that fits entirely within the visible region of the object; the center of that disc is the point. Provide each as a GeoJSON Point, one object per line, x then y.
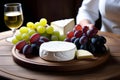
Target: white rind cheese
{"type": "Point", "coordinates": [84, 54]}
{"type": "Point", "coordinates": [63, 26]}
{"type": "Point", "coordinates": [57, 51]}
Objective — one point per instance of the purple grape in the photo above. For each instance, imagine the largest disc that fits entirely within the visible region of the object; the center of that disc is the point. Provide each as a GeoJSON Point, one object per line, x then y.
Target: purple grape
{"type": "Point", "coordinates": [98, 40]}
{"type": "Point", "coordinates": [102, 39]}
{"type": "Point", "coordinates": [76, 42]}
{"type": "Point", "coordinates": [89, 33]}
{"type": "Point", "coordinates": [77, 34]}
{"type": "Point", "coordinates": [40, 42]}
{"type": "Point", "coordinates": [83, 40]}
{"type": "Point", "coordinates": [35, 49]}
{"type": "Point", "coordinates": [45, 39]}
{"type": "Point", "coordinates": [84, 46]}
{"type": "Point", "coordinates": [92, 48]}
{"type": "Point", "coordinates": [73, 39]}
{"type": "Point", "coordinates": [27, 51]}
{"type": "Point", "coordinates": [67, 40]}
{"type": "Point", "coordinates": [101, 49]}
{"type": "Point", "coordinates": [92, 32]}
{"type": "Point", "coordinates": [85, 29]}
{"type": "Point", "coordinates": [94, 40]}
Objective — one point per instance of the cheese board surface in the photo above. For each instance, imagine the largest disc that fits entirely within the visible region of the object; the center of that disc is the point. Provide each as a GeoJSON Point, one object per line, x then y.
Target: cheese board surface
{"type": "Point", "coordinates": [39, 64]}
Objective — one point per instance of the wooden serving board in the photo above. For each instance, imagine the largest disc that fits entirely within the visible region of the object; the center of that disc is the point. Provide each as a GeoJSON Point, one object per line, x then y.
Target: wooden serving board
{"type": "Point", "coordinates": [37, 63]}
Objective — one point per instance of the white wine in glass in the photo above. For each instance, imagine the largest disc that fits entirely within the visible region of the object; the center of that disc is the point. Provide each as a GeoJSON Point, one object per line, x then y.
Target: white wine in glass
{"type": "Point", "coordinates": [13, 17]}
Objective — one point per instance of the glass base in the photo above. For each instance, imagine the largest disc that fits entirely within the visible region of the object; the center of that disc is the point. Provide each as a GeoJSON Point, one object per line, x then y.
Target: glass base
{"type": "Point", "coordinates": [9, 39]}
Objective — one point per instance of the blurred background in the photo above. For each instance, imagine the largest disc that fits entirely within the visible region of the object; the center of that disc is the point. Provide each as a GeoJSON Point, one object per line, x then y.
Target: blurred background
{"type": "Point", "coordinates": [52, 10]}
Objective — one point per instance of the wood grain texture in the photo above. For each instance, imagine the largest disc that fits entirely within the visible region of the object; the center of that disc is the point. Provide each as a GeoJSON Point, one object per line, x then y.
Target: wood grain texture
{"type": "Point", "coordinates": [108, 71]}
{"type": "Point", "coordinates": [37, 63]}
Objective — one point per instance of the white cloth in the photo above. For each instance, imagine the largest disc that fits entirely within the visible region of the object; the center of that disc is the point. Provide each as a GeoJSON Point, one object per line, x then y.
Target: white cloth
{"type": "Point", "coordinates": [109, 10]}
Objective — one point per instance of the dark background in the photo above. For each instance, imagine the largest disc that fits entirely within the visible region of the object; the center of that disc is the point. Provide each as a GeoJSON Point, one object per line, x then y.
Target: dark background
{"type": "Point", "coordinates": [33, 10]}
{"type": "Point", "coordinates": [52, 10]}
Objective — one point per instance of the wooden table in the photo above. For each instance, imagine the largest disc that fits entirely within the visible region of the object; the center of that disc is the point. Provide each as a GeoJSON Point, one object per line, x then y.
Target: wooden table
{"type": "Point", "coordinates": [110, 70]}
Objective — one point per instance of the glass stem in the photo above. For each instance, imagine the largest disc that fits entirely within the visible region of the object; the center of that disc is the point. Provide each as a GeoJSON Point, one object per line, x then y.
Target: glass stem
{"type": "Point", "coordinates": [13, 31]}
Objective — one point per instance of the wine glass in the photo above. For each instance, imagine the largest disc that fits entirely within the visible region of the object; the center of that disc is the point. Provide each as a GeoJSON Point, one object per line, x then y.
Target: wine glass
{"type": "Point", "coordinates": [13, 17]}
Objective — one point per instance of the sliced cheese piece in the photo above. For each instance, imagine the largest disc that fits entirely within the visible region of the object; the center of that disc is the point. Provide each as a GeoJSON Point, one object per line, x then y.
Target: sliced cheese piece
{"type": "Point", "coordinates": [57, 51]}
{"type": "Point", "coordinates": [84, 54]}
{"type": "Point", "coordinates": [63, 26]}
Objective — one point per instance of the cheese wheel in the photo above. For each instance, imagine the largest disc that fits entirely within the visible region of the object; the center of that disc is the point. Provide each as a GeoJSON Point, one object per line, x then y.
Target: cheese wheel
{"type": "Point", "coordinates": [57, 51]}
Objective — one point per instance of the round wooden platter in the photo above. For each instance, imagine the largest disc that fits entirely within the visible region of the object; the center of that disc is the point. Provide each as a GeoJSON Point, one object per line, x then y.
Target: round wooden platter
{"type": "Point", "coordinates": [36, 63]}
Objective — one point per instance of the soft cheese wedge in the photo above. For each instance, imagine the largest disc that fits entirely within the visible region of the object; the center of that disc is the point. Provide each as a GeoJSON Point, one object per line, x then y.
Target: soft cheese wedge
{"type": "Point", "coordinates": [84, 54]}
{"type": "Point", "coordinates": [63, 26]}
{"type": "Point", "coordinates": [57, 51]}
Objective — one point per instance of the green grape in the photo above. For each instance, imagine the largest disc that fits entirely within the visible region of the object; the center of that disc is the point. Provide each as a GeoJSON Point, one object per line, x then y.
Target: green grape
{"type": "Point", "coordinates": [18, 36]}
{"type": "Point", "coordinates": [62, 37]}
{"type": "Point", "coordinates": [31, 32]}
{"type": "Point", "coordinates": [41, 29]}
{"type": "Point", "coordinates": [23, 30]}
{"type": "Point", "coordinates": [31, 25]}
{"type": "Point", "coordinates": [54, 38]}
{"type": "Point", "coordinates": [46, 35]}
{"type": "Point", "coordinates": [43, 22]}
{"type": "Point", "coordinates": [56, 33]}
{"type": "Point", "coordinates": [14, 41]}
{"type": "Point", "coordinates": [25, 36]}
{"type": "Point", "coordinates": [49, 29]}
{"type": "Point", "coordinates": [37, 24]}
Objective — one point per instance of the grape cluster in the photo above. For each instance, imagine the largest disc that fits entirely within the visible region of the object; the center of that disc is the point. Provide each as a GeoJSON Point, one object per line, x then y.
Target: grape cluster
{"type": "Point", "coordinates": [41, 27]}
{"type": "Point", "coordinates": [30, 37]}
{"type": "Point", "coordinates": [87, 38]}
{"type": "Point", "coordinates": [31, 49]}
